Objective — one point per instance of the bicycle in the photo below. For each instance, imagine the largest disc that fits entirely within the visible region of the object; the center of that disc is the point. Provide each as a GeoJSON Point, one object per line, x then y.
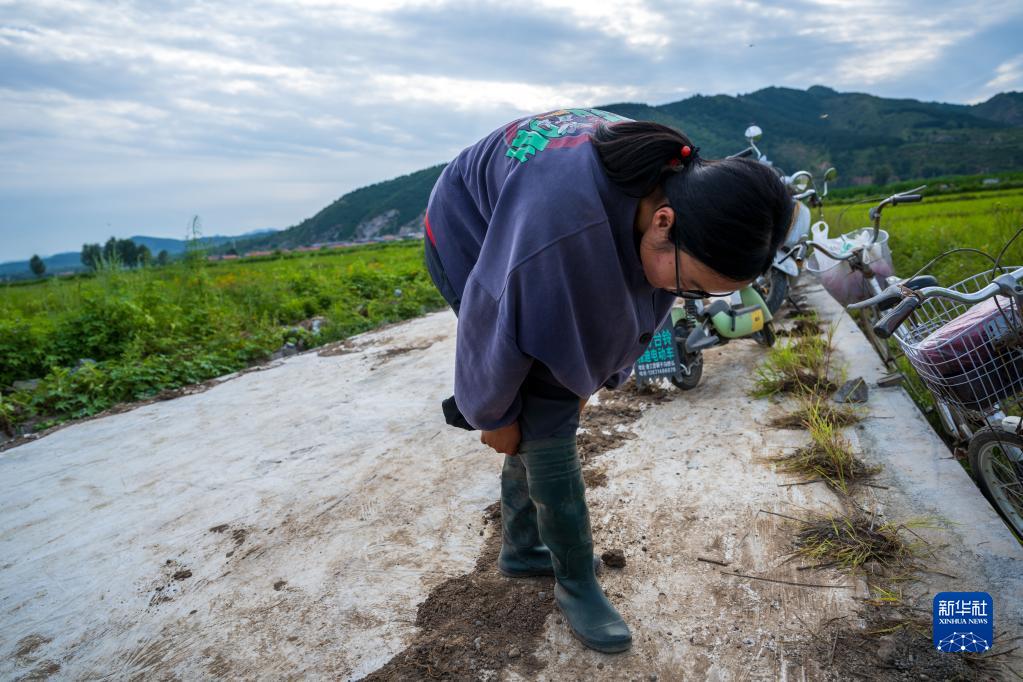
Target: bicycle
{"type": "Point", "coordinates": [966, 344]}
{"type": "Point", "coordinates": [862, 269]}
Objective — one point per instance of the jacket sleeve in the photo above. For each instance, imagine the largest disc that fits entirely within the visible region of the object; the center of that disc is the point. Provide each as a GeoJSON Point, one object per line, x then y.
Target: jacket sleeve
{"type": "Point", "coordinates": [489, 365]}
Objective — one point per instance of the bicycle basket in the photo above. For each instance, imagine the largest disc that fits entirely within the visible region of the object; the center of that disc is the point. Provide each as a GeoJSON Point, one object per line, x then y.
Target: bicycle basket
{"type": "Point", "coordinates": [969, 355]}
{"type": "Point", "coordinates": [843, 283]}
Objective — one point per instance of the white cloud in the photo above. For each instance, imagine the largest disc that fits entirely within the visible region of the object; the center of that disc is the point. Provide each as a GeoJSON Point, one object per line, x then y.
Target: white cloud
{"type": "Point", "coordinates": [1008, 75]}
{"type": "Point", "coordinates": [479, 95]}
{"type": "Point", "coordinates": [636, 23]}
{"type": "Point", "coordinates": [881, 42]}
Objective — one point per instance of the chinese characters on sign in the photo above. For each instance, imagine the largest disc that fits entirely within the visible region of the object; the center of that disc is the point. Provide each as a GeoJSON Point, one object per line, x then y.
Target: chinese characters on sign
{"type": "Point", "coordinates": [963, 621]}
{"type": "Point", "coordinates": [660, 359]}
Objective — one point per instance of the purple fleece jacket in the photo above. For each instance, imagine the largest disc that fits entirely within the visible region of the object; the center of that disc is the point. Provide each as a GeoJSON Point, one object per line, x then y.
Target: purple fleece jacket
{"type": "Point", "coordinates": [540, 246]}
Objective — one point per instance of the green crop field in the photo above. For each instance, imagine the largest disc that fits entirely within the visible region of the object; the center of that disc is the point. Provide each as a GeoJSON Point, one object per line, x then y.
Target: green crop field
{"type": "Point", "coordinates": [161, 328]}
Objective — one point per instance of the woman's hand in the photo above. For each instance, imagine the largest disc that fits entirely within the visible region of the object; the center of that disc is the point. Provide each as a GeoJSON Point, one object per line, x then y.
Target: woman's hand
{"type": "Point", "coordinates": [505, 439]}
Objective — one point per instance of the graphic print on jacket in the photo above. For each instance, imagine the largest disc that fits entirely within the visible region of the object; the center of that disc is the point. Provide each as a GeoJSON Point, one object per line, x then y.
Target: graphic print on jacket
{"type": "Point", "coordinates": [561, 128]}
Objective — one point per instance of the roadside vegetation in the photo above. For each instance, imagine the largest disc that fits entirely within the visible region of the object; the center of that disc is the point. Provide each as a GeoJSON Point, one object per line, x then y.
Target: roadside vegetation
{"type": "Point", "coordinates": [70, 349]}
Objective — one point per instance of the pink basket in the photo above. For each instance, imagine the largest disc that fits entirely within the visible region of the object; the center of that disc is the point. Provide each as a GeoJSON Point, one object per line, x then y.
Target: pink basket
{"type": "Point", "coordinates": [843, 283]}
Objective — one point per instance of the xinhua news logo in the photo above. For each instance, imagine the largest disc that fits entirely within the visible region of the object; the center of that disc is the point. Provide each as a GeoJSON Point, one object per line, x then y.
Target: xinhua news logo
{"type": "Point", "coordinates": [964, 621]}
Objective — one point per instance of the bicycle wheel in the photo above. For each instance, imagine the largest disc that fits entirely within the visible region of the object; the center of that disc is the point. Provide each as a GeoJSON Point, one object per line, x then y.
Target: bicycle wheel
{"type": "Point", "coordinates": [996, 459]}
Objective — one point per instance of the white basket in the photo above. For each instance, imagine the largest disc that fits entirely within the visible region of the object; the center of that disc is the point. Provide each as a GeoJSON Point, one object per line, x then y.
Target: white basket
{"type": "Point", "coordinates": [843, 283]}
{"type": "Point", "coordinates": [969, 355]}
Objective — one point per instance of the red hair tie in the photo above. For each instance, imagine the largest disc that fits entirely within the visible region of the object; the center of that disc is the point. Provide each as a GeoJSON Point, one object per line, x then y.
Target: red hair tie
{"type": "Point", "coordinates": [673, 162]}
{"type": "Point", "coordinates": [686, 151]}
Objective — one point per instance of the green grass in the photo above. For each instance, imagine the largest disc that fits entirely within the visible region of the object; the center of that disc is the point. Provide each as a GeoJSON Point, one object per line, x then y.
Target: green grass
{"type": "Point", "coordinates": [155, 329]}
{"type": "Point", "coordinates": [852, 540]}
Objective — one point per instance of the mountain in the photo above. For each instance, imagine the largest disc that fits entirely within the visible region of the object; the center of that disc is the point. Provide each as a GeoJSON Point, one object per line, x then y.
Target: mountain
{"type": "Point", "coordinates": [391, 207]}
{"type": "Point", "coordinates": [869, 139]}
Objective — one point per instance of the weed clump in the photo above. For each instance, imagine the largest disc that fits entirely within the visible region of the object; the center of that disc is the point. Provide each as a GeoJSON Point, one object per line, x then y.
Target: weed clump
{"type": "Point", "coordinates": [801, 365]}
{"type": "Point", "coordinates": [858, 540]}
{"type": "Point", "coordinates": [806, 323]}
{"type": "Point", "coordinates": [811, 405]}
{"type": "Point", "coordinates": [829, 455]}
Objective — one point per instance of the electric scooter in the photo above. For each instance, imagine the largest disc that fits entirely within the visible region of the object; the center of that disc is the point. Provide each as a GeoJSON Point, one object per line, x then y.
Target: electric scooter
{"type": "Point", "coordinates": [784, 270]}
{"type": "Point", "coordinates": [676, 350]}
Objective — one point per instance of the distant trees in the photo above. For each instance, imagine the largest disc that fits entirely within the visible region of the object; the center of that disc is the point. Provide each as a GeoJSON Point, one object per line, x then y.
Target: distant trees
{"type": "Point", "coordinates": [122, 252]}
{"type": "Point", "coordinates": [163, 257]}
{"type": "Point", "coordinates": [91, 256]}
{"type": "Point", "coordinates": [37, 266]}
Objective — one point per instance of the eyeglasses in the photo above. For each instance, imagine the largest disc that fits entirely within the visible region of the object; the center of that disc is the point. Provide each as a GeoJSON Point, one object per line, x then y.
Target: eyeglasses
{"type": "Point", "coordinates": [688, 294]}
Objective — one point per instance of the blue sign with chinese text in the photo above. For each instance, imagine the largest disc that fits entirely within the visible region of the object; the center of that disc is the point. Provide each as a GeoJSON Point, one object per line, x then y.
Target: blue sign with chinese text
{"type": "Point", "coordinates": [660, 359]}
{"type": "Point", "coordinates": [964, 621]}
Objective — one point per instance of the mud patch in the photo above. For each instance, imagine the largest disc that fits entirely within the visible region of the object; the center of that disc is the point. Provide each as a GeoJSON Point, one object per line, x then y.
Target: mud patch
{"type": "Point", "coordinates": [473, 626]}
{"type": "Point", "coordinates": [348, 346]}
{"type": "Point", "coordinates": [604, 428]}
{"type": "Point", "coordinates": [847, 651]}
{"type": "Point", "coordinates": [43, 671]}
{"type": "Point", "coordinates": [653, 393]}
{"type": "Point", "coordinates": [24, 653]}
{"type": "Point", "coordinates": [615, 558]}
{"type": "Point", "coordinates": [169, 585]}
{"type": "Point", "coordinates": [594, 476]}
{"type": "Point", "coordinates": [396, 351]}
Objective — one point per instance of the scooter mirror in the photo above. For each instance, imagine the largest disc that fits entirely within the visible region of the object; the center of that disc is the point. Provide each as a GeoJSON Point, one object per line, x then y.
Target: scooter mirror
{"type": "Point", "coordinates": [754, 133]}
{"type": "Point", "coordinates": [830, 174]}
{"type": "Point", "coordinates": [800, 181]}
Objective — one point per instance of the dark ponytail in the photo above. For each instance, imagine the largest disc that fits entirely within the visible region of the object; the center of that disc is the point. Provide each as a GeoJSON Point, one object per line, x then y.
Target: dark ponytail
{"type": "Point", "coordinates": [637, 154]}
{"type": "Point", "coordinates": [732, 214]}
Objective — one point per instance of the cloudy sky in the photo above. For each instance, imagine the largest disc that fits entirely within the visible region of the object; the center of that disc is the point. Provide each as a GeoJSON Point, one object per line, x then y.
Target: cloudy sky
{"type": "Point", "coordinates": [121, 118]}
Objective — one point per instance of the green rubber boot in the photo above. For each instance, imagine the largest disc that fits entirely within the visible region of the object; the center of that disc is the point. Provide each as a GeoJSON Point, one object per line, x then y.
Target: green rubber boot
{"type": "Point", "coordinates": [556, 487]}
{"type": "Point", "coordinates": [522, 554]}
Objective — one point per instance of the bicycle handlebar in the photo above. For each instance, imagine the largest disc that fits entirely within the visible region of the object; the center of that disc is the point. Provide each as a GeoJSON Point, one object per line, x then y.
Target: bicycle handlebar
{"type": "Point", "coordinates": [906, 198]}
{"type": "Point", "coordinates": [1007, 283]}
{"type": "Point", "coordinates": [887, 325]}
{"type": "Point", "coordinates": [831, 254]}
{"type": "Point", "coordinates": [909, 196]}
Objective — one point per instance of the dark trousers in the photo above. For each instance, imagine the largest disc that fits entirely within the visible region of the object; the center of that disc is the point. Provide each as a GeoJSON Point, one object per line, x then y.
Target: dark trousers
{"type": "Point", "coordinates": [549, 410]}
